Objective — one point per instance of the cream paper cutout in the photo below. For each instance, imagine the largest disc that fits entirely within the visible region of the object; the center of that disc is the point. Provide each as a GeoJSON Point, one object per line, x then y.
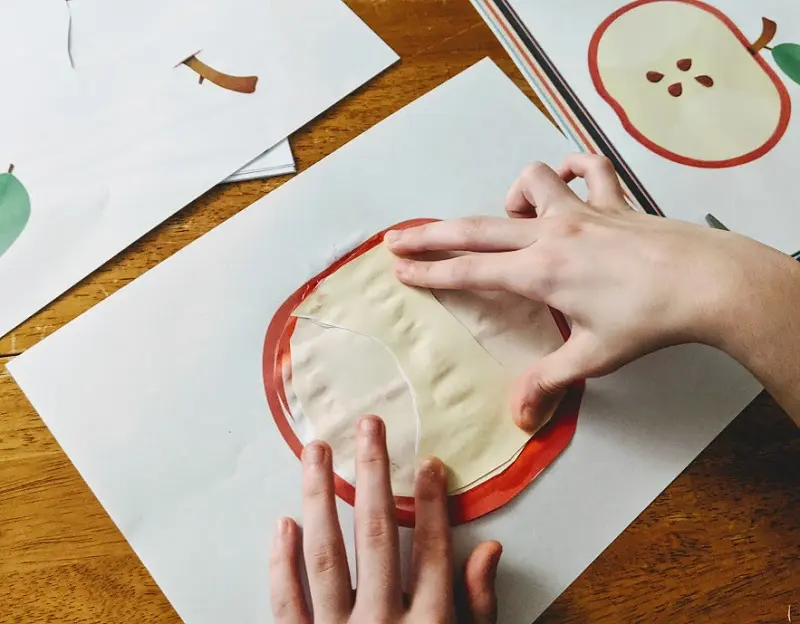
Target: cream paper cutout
{"type": "Point", "coordinates": [339, 376]}
{"type": "Point", "coordinates": [460, 391]}
{"type": "Point", "coordinates": [515, 330]}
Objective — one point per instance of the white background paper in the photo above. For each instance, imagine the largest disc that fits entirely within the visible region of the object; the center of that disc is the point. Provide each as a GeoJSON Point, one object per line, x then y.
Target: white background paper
{"type": "Point", "coordinates": [157, 393]}
{"type": "Point", "coordinates": [759, 199]}
{"type": "Point", "coordinates": [105, 159]}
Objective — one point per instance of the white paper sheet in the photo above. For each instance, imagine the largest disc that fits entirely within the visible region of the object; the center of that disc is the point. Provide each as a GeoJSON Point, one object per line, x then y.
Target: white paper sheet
{"type": "Point", "coordinates": [157, 394]}
{"type": "Point", "coordinates": [758, 199]}
{"type": "Point", "coordinates": [111, 148]}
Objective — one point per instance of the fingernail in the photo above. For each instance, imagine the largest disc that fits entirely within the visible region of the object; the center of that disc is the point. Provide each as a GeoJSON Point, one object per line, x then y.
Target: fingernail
{"type": "Point", "coordinates": [281, 529]}
{"type": "Point", "coordinates": [392, 236]}
{"type": "Point", "coordinates": [314, 453]}
{"type": "Point", "coordinates": [495, 564]}
{"type": "Point", "coordinates": [432, 468]}
{"type": "Point", "coordinates": [370, 426]}
{"type": "Point", "coordinates": [529, 417]}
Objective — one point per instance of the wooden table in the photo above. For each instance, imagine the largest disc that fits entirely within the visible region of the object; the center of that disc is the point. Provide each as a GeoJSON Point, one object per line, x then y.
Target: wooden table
{"type": "Point", "coordinates": [722, 544]}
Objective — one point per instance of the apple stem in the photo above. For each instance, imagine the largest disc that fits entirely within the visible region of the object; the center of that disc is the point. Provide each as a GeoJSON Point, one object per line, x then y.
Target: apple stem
{"type": "Point", "coordinates": [768, 31]}
{"type": "Point", "coordinates": [11, 168]}
{"type": "Point", "coordinates": [242, 84]}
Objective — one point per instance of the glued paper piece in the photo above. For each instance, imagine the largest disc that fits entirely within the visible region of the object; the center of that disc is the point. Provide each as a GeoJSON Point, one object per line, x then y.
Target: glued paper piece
{"type": "Point", "coordinates": [15, 209]}
{"type": "Point", "coordinates": [338, 376]}
{"type": "Point", "coordinates": [241, 84]}
{"type": "Point", "coordinates": [460, 391]}
{"type": "Point", "coordinates": [515, 330]}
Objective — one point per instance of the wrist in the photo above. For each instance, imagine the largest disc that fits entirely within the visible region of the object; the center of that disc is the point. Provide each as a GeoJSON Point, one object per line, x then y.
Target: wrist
{"type": "Point", "coordinates": [753, 299]}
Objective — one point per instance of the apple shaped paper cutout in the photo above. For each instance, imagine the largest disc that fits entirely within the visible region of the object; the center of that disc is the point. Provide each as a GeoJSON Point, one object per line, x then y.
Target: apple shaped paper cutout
{"type": "Point", "coordinates": [687, 84]}
{"type": "Point", "coordinates": [541, 451]}
{"type": "Point", "coordinates": [15, 209]}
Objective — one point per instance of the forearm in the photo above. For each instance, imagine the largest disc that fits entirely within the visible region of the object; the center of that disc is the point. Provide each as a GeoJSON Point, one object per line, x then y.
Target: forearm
{"type": "Point", "coordinates": [761, 325]}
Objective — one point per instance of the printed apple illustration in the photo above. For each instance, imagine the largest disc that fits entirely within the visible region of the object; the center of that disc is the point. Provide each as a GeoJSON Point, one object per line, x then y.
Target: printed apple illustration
{"type": "Point", "coordinates": [687, 84]}
{"type": "Point", "coordinates": [15, 209]}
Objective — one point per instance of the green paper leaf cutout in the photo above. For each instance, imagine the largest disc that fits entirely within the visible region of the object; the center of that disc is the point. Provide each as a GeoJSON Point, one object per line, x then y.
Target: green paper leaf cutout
{"type": "Point", "coordinates": [15, 210]}
{"type": "Point", "coordinates": [787, 57]}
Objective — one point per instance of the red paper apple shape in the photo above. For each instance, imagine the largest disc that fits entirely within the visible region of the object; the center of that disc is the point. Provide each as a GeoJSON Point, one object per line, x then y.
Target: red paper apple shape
{"type": "Point", "coordinates": [468, 505]}
{"type": "Point", "coordinates": [687, 85]}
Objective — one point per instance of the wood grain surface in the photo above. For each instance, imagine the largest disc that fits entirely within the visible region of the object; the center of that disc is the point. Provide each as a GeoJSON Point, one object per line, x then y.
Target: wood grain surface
{"type": "Point", "coordinates": [722, 544]}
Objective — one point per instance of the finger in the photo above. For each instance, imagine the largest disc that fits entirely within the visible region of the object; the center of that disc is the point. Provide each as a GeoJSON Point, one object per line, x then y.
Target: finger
{"type": "Point", "coordinates": [286, 590]}
{"type": "Point", "coordinates": [487, 234]}
{"type": "Point", "coordinates": [377, 541]}
{"type": "Point", "coordinates": [325, 556]}
{"type": "Point", "coordinates": [538, 392]}
{"type": "Point", "coordinates": [537, 191]}
{"type": "Point", "coordinates": [467, 272]}
{"type": "Point", "coordinates": [480, 572]}
{"type": "Point", "coordinates": [431, 564]}
{"type": "Point", "coordinates": [605, 190]}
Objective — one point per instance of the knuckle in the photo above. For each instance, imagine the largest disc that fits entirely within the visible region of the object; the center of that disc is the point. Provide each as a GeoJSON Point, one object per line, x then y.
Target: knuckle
{"type": "Point", "coordinates": [533, 171]}
{"type": "Point", "coordinates": [534, 168]}
{"type": "Point", "coordinates": [471, 228]}
{"type": "Point", "coordinates": [600, 162]}
{"type": "Point", "coordinates": [565, 226]}
{"type": "Point", "coordinates": [550, 269]}
{"type": "Point", "coordinates": [462, 268]}
{"type": "Point", "coordinates": [432, 542]}
{"type": "Point", "coordinates": [315, 488]}
{"type": "Point", "coordinates": [544, 384]}
{"type": "Point", "coordinates": [325, 558]}
{"type": "Point", "coordinates": [550, 387]}
{"type": "Point", "coordinates": [377, 526]}
{"type": "Point", "coordinates": [371, 460]}
{"type": "Point", "coordinates": [285, 608]}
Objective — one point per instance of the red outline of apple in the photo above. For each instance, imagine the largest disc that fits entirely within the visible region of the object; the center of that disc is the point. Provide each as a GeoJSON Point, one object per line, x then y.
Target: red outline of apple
{"type": "Point", "coordinates": [769, 29]}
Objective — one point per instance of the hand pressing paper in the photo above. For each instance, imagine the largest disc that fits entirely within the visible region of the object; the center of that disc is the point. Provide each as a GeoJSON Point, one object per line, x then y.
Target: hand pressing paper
{"type": "Point", "coordinates": [437, 367]}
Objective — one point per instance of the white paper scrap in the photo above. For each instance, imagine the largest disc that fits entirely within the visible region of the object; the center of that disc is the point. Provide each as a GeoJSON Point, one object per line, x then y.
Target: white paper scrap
{"type": "Point", "coordinates": [276, 161]}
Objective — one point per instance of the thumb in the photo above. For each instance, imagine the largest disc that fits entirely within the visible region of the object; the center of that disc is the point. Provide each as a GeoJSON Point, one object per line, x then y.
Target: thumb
{"type": "Point", "coordinates": [538, 392]}
{"type": "Point", "coordinates": [480, 572]}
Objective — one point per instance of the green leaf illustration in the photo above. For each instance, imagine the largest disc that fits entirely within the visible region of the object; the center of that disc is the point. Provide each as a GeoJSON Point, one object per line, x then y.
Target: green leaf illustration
{"type": "Point", "coordinates": [15, 209]}
{"type": "Point", "coordinates": [787, 57]}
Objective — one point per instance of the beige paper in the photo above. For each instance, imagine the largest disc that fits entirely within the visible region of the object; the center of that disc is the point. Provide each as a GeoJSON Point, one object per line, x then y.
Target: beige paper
{"type": "Point", "coordinates": [338, 376]}
{"type": "Point", "coordinates": [459, 390]}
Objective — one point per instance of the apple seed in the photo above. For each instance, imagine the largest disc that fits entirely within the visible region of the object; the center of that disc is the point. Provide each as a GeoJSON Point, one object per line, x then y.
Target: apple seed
{"type": "Point", "coordinates": [706, 81]}
{"type": "Point", "coordinates": [685, 64]}
{"type": "Point", "coordinates": [675, 89]}
{"type": "Point", "coordinates": [654, 76]}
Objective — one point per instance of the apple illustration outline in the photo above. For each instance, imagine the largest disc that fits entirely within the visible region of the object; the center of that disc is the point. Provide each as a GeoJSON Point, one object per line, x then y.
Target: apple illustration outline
{"type": "Point", "coordinates": [14, 217]}
{"type": "Point", "coordinates": [541, 451]}
{"type": "Point", "coordinates": [753, 49]}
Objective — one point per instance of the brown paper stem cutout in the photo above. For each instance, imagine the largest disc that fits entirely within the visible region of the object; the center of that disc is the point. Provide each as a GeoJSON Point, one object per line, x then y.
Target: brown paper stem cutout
{"type": "Point", "coordinates": [241, 84]}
